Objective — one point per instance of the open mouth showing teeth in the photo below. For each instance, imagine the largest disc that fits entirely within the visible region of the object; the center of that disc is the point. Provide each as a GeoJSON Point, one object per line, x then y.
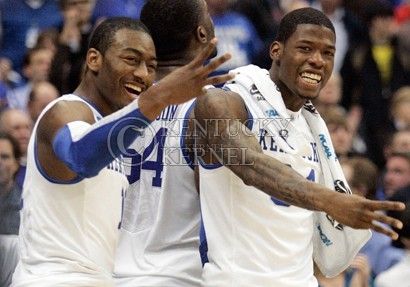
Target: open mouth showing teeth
{"type": "Point", "coordinates": [311, 78]}
{"type": "Point", "coordinates": [133, 89]}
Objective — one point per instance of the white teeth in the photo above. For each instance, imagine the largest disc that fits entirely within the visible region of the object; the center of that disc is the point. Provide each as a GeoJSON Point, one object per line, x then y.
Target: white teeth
{"type": "Point", "coordinates": [311, 78]}
{"type": "Point", "coordinates": [134, 87]}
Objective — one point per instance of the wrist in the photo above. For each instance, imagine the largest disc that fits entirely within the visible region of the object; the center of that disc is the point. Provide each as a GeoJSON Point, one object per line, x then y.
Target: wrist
{"type": "Point", "coordinates": [151, 102]}
{"type": "Point", "coordinates": [322, 200]}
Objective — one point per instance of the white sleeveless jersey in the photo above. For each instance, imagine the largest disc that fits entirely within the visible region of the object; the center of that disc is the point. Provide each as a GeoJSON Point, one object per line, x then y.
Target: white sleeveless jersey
{"type": "Point", "coordinates": [69, 232]}
{"type": "Point", "coordinates": [159, 237]}
{"type": "Point", "coordinates": [254, 239]}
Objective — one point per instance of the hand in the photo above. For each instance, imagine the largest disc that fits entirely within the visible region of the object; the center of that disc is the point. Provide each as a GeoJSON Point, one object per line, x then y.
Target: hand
{"type": "Point", "coordinates": [361, 213]}
{"type": "Point", "coordinates": [362, 265]}
{"type": "Point", "coordinates": [192, 77]}
{"type": "Point", "coordinates": [184, 83]}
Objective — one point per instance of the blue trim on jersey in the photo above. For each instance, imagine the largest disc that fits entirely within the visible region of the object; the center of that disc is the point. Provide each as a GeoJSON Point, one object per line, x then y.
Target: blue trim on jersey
{"type": "Point", "coordinates": [203, 245]}
{"type": "Point", "coordinates": [183, 134]}
{"type": "Point", "coordinates": [101, 144]}
{"type": "Point", "coordinates": [92, 105]}
{"type": "Point", "coordinates": [52, 180]}
{"type": "Point", "coordinates": [209, 165]}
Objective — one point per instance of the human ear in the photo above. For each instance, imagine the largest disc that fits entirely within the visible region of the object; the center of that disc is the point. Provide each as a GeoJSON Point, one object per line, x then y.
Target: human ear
{"type": "Point", "coordinates": [275, 52]}
{"type": "Point", "coordinates": [94, 60]}
{"type": "Point", "coordinates": [201, 34]}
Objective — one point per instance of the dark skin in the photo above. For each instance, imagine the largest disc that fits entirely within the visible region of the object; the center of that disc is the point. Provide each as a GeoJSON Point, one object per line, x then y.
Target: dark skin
{"type": "Point", "coordinates": [129, 61]}
{"type": "Point", "coordinates": [309, 50]}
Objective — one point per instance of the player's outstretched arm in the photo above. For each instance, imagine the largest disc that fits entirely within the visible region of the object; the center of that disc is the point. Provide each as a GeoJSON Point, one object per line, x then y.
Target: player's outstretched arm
{"type": "Point", "coordinates": [184, 83]}
{"type": "Point", "coordinates": [222, 114]}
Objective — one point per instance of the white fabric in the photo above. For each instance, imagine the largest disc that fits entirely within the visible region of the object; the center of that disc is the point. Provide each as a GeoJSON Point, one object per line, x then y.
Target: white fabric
{"type": "Point", "coordinates": [68, 232]}
{"type": "Point", "coordinates": [397, 275]}
{"type": "Point", "coordinates": [254, 240]}
{"type": "Point", "coordinates": [160, 228]}
{"type": "Point", "coordinates": [334, 245]}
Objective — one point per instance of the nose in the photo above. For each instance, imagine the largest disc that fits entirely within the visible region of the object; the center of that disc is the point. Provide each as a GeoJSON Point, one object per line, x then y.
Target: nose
{"type": "Point", "coordinates": [142, 70]}
{"type": "Point", "coordinates": [316, 59]}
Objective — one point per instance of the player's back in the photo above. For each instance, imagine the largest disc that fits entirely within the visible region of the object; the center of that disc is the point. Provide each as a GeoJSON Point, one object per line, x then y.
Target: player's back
{"type": "Point", "coordinates": [69, 230]}
{"type": "Point", "coordinates": [159, 238]}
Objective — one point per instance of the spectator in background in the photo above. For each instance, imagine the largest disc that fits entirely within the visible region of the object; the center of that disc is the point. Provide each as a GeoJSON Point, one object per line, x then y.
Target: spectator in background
{"type": "Point", "coordinates": [362, 176]}
{"type": "Point", "coordinates": [400, 108]}
{"type": "Point", "coordinates": [397, 173]}
{"type": "Point", "coordinates": [41, 95]}
{"type": "Point", "coordinates": [21, 23]}
{"type": "Point", "coordinates": [10, 205]}
{"type": "Point", "coordinates": [236, 35]}
{"type": "Point", "coordinates": [330, 95]}
{"type": "Point", "coordinates": [347, 26]}
{"type": "Point", "coordinates": [371, 73]}
{"type": "Point", "coordinates": [114, 8]}
{"type": "Point", "coordinates": [18, 124]}
{"type": "Point", "coordinates": [36, 68]}
{"type": "Point", "coordinates": [288, 6]}
{"type": "Point", "coordinates": [67, 66]}
{"type": "Point", "coordinates": [401, 141]}
{"type": "Point", "coordinates": [260, 13]}
{"type": "Point", "coordinates": [339, 130]}
{"type": "Point", "coordinates": [48, 39]}
{"type": "Point", "coordinates": [399, 274]}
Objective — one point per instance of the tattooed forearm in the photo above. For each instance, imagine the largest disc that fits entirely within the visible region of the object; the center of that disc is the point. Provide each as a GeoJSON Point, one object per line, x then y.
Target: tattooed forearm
{"type": "Point", "coordinates": [228, 141]}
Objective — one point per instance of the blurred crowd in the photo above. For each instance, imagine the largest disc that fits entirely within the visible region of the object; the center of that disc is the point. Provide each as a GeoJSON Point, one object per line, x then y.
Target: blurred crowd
{"type": "Point", "coordinates": [366, 104]}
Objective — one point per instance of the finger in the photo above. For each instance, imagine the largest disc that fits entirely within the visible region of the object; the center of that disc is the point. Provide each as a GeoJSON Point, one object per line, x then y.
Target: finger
{"type": "Point", "coordinates": [216, 80]}
{"type": "Point", "coordinates": [385, 205]}
{"type": "Point", "coordinates": [384, 230]}
{"type": "Point", "coordinates": [205, 54]}
{"type": "Point", "coordinates": [375, 216]}
{"type": "Point", "coordinates": [216, 63]}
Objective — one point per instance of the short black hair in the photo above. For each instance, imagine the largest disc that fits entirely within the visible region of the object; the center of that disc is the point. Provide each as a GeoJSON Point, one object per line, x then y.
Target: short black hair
{"type": "Point", "coordinates": [171, 23]}
{"type": "Point", "coordinates": [14, 144]}
{"type": "Point", "coordinates": [103, 35]}
{"type": "Point", "coordinates": [289, 23]}
{"type": "Point", "coordinates": [377, 9]}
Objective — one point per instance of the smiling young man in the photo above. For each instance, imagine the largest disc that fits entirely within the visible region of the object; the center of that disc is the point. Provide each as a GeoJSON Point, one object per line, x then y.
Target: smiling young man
{"type": "Point", "coordinates": [75, 179]}
{"type": "Point", "coordinates": [258, 219]}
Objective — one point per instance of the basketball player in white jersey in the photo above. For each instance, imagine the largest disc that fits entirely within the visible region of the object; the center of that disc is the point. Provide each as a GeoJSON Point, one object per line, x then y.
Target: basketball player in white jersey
{"type": "Point", "coordinates": [256, 238]}
{"type": "Point", "coordinates": [75, 179]}
{"type": "Point", "coordinates": [159, 236]}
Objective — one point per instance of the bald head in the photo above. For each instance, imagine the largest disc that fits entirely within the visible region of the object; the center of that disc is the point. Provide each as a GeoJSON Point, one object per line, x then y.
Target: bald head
{"type": "Point", "coordinates": [41, 95]}
{"type": "Point", "coordinates": [18, 124]}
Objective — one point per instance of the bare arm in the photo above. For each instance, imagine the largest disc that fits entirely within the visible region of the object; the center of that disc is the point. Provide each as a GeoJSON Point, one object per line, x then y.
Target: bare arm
{"type": "Point", "coordinates": [223, 114]}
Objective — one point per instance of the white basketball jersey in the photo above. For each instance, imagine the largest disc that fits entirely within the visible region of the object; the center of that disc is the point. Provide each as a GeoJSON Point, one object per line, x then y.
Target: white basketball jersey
{"type": "Point", "coordinates": [159, 237]}
{"type": "Point", "coordinates": [69, 231]}
{"type": "Point", "coordinates": [254, 239]}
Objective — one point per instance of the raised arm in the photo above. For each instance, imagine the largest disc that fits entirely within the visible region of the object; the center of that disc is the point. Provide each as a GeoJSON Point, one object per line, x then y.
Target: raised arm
{"type": "Point", "coordinates": [71, 144]}
{"type": "Point", "coordinates": [222, 115]}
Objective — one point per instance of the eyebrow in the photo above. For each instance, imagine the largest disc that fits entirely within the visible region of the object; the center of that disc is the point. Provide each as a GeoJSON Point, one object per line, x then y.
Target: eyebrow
{"type": "Point", "coordinates": [138, 52]}
{"type": "Point", "coordinates": [312, 43]}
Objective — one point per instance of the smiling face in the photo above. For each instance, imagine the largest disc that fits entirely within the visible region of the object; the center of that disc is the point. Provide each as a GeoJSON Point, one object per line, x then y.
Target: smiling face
{"type": "Point", "coordinates": [126, 69]}
{"type": "Point", "coordinates": [302, 65]}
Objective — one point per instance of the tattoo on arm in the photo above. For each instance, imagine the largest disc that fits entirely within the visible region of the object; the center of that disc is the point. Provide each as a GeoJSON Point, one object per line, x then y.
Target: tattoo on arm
{"type": "Point", "coordinates": [224, 138]}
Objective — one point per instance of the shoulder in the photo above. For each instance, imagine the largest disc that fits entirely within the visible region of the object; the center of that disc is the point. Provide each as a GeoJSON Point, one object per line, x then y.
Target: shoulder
{"type": "Point", "coordinates": [220, 104]}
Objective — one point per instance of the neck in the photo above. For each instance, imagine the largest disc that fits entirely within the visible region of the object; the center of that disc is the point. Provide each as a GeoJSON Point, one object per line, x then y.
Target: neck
{"type": "Point", "coordinates": [90, 92]}
{"type": "Point", "coordinates": [292, 101]}
{"type": "Point", "coordinates": [167, 66]}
